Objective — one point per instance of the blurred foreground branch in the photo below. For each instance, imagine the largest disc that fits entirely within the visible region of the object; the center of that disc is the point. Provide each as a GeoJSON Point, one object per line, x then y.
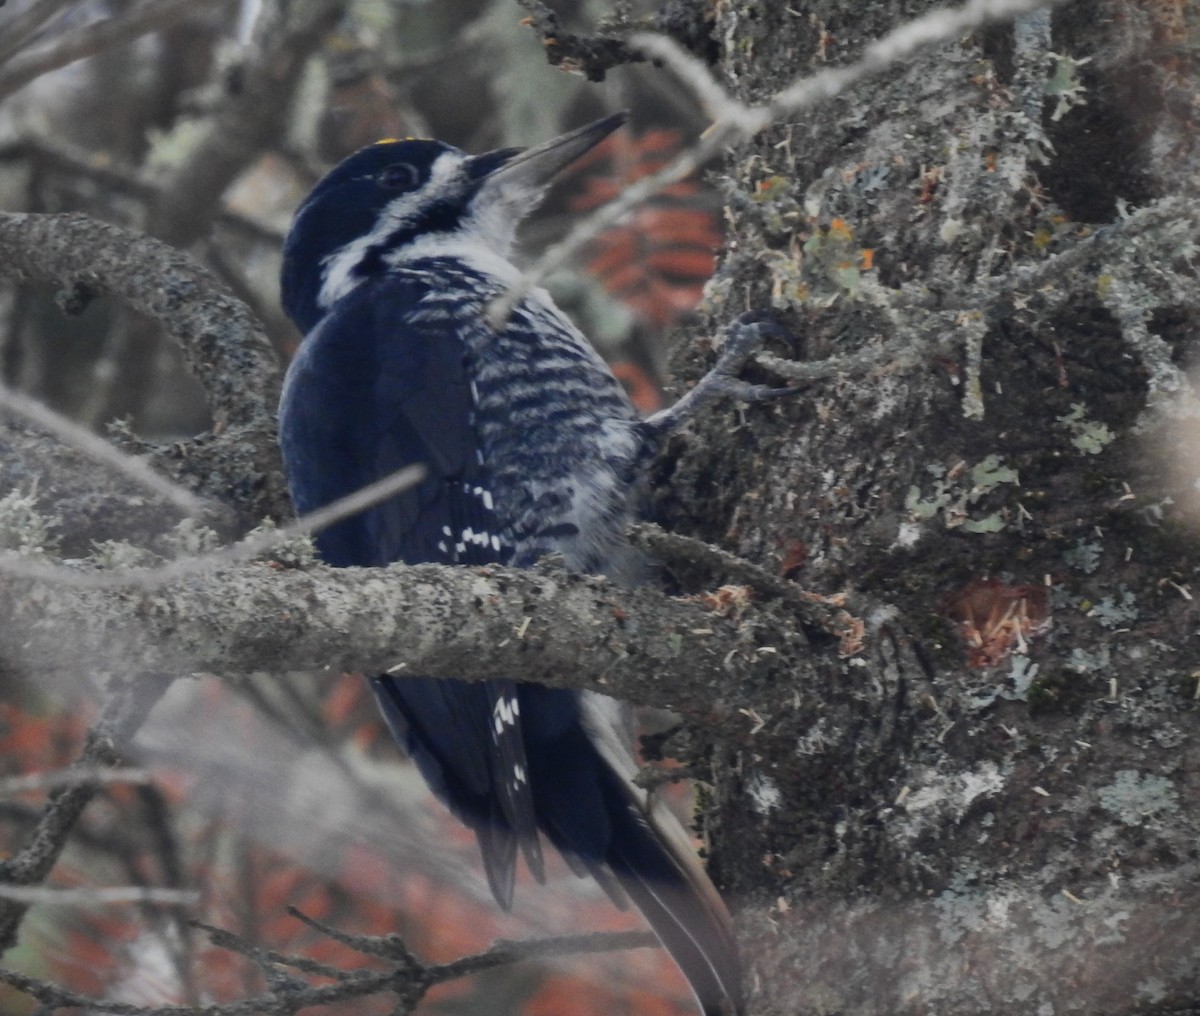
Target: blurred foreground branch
{"type": "Point", "coordinates": [407, 978]}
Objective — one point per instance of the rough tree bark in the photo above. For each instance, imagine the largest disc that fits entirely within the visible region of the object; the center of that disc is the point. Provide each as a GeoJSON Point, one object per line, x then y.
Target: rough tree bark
{"type": "Point", "coordinates": [991, 805]}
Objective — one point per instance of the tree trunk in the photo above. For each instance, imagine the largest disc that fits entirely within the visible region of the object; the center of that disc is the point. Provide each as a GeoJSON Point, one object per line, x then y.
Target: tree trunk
{"type": "Point", "coordinates": [985, 802]}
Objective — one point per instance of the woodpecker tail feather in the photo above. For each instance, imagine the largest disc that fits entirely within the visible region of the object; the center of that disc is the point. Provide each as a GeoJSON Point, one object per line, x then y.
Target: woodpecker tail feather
{"type": "Point", "coordinates": [653, 859]}
{"type": "Point", "coordinates": [579, 791]}
{"type": "Point", "coordinates": [656, 865]}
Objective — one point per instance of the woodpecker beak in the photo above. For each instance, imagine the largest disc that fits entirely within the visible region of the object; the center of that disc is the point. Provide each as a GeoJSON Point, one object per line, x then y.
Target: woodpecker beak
{"type": "Point", "coordinates": [534, 168]}
{"type": "Point", "coordinates": [514, 180]}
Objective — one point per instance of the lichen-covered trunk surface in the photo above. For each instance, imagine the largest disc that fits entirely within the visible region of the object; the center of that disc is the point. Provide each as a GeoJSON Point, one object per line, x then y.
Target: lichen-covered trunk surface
{"type": "Point", "coordinates": [985, 801]}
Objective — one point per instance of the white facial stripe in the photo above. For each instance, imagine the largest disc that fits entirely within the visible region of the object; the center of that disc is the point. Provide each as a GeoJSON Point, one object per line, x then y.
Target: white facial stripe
{"type": "Point", "coordinates": [503, 202]}
{"type": "Point", "coordinates": [337, 276]}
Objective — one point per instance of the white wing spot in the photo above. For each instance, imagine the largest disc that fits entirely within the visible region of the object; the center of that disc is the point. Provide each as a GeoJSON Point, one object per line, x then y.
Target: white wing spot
{"type": "Point", "coordinates": [505, 713]}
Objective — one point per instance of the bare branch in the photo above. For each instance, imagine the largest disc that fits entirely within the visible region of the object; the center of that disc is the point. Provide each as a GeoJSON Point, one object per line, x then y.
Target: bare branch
{"type": "Point", "coordinates": [89, 40]}
{"type": "Point", "coordinates": [76, 776]}
{"type": "Point", "coordinates": [128, 703]}
{"type": "Point", "coordinates": [504, 953]}
{"type": "Point", "coordinates": [53, 896]}
{"type": "Point", "coordinates": [410, 981]}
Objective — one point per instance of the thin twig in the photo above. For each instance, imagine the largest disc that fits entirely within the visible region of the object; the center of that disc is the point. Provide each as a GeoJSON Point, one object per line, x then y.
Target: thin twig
{"type": "Point", "coordinates": [89, 40]}
{"type": "Point", "coordinates": [97, 448]}
{"type": "Point", "coordinates": [347, 984]}
{"type": "Point", "coordinates": [129, 700]}
{"type": "Point", "coordinates": [385, 947]}
{"type": "Point", "coordinates": [254, 545]}
{"type": "Point", "coordinates": [73, 777]}
{"type": "Point", "coordinates": [225, 939]}
{"type": "Point", "coordinates": [505, 953]}
{"type": "Point", "coordinates": [41, 895]}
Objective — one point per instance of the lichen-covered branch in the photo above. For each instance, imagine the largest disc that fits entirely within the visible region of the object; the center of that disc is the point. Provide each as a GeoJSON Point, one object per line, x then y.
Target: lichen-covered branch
{"type": "Point", "coordinates": [547, 626]}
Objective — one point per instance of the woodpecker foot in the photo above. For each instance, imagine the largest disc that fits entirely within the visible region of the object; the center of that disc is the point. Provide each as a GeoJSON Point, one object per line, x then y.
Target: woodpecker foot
{"type": "Point", "coordinates": [743, 339]}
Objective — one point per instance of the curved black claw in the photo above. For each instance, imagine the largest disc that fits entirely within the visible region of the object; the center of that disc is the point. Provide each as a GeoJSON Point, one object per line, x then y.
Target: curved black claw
{"type": "Point", "coordinates": [745, 336]}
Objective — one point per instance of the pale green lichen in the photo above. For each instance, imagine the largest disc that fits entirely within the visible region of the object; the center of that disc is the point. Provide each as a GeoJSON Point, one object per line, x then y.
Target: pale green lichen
{"type": "Point", "coordinates": [990, 473]}
{"type": "Point", "coordinates": [947, 798]}
{"type": "Point", "coordinates": [1083, 661]}
{"type": "Point", "coordinates": [189, 538]}
{"type": "Point", "coordinates": [1088, 436]}
{"type": "Point", "coordinates": [1084, 557]}
{"type": "Point", "coordinates": [1015, 688]}
{"type": "Point", "coordinates": [1064, 84]}
{"type": "Point", "coordinates": [296, 552]}
{"type": "Point", "coordinates": [764, 794]}
{"type": "Point", "coordinates": [1021, 672]}
{"type": "Point", "coordinates": [112, 554]}
{"type": "Point", "coordinates": [24, 528]}
{"type": "Point", "coordinates": [953, 498]}
{"type": "Point", "coordinates": [1133, 797]}
{"type": "Point", "coordinates": [1152, 990]}
{"type": "Point", "coordinates": [1117, 611]}
{"type": "Point", "coordinates": [988, 524]}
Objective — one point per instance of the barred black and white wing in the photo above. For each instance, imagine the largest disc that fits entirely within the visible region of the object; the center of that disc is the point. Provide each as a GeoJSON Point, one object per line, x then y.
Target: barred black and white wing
{"type": "Point", "coordinates": [370, 392]}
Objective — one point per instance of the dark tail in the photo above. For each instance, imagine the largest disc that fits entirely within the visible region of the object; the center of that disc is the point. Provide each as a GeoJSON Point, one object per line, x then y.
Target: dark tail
{"type": "Point", "coordinates": [580, 793]}
{"type": "Point", "coordinates": [602, 822]}
{"type": "Point", "coordinates": [655, 863]}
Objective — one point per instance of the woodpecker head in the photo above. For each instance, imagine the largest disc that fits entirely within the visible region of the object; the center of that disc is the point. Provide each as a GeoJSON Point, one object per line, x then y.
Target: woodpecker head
{"type": "Point", "coordinates": [358, 220]}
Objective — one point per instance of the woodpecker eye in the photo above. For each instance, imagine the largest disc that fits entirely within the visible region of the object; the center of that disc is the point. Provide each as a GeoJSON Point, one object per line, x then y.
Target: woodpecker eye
{"type": "Point", "coordinates": [398, 176]}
